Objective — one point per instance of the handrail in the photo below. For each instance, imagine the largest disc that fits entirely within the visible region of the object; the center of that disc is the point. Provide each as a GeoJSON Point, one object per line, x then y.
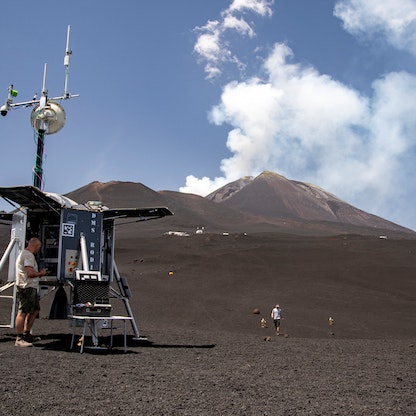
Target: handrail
{"type": "Point", "coordinates": [6, 254]}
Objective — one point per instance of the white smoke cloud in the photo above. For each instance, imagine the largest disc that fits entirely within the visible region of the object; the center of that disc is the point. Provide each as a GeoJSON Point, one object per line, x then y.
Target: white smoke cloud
{"type": "Point", "coordinates": [308, 126]}
{"type": "Point", "coordinates": [211, 46]}
{"type": "Point", "coordinates": [395, 19]}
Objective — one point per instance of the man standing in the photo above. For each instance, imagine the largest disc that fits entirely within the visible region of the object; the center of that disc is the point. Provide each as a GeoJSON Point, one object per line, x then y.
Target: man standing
{"type": "Point", "coordinates": [27, 287]}
{"type": "Point", "coordinates": [276, 314]}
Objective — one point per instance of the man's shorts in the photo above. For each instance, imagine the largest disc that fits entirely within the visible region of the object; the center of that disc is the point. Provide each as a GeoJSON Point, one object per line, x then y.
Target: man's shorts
{"type": "Point", "coordinates": [28, 299]}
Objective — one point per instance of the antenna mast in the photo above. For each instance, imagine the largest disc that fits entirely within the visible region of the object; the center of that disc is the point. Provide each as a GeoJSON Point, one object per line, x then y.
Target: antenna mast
{"type": "Point", "coordinates": [47, 117]}
{"type": "Point", "coordinates": [68, 53]}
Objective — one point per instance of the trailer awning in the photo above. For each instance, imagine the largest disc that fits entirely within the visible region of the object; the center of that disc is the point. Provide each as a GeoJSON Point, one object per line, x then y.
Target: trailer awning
{"type": "Point", "coordinates": [30, 197]}
{"type": "Point", "coordinates": [36, 200]}
{"type": "Point", "coordinates": [143, 214]}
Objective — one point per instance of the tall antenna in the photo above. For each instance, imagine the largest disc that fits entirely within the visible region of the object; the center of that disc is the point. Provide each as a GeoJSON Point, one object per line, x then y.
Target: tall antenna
{"type": "Point", "coordinates": [68, 53]}
{"type": "Point", "coordinates": [47, 117]}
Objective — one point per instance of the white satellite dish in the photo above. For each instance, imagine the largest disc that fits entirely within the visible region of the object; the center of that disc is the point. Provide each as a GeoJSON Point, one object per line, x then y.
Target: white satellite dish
{"type": "Point", "coordinates": [49, 119]}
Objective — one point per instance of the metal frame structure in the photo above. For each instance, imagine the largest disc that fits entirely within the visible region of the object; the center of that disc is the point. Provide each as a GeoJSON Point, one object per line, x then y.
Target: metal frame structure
{"type": "Point", "coordinates": [75, 237]}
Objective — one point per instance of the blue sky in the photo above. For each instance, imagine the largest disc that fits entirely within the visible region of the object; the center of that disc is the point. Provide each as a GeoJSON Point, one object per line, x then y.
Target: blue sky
{"type": "Point", "coordinates": [190, 95]}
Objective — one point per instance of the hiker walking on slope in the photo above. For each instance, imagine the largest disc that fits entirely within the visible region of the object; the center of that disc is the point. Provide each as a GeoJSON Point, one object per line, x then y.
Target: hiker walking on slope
{"type": "Point", "coordinates": [276, 314]}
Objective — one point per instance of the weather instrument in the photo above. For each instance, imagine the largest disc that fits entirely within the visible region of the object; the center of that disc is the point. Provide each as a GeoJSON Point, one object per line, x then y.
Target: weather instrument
{"type": "Point", "coordinates": [77, 239]}
{"type": "Point", "coordinates": [47, 116]}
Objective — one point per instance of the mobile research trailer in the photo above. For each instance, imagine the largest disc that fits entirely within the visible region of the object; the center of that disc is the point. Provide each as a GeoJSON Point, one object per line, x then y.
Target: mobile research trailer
{"type": "Point", "coordinates": [77, 240]}
{"type": "Point", "coordinates": [77, 245]}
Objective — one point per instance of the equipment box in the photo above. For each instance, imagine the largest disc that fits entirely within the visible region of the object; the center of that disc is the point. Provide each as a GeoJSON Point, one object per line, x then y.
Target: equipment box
{"type": "Point", "coordinates": [101, 310]}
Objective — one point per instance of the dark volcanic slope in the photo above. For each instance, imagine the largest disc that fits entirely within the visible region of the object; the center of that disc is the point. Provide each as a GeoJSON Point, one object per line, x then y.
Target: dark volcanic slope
{"type": "Point", "coordinates": [366, 284]}
{"type": "Point", "coordinates": [194, 297]}
{"type": "Point", "coordinates": [116, 194]}
{"type": "Point", "coordinates": [353, 278]}
{"type": "Point", "coordinates": [254, 206]}
{"type": "Point", "coordinates": [273, 196]}
{"type": "Point", "coordinates": [190, 211]}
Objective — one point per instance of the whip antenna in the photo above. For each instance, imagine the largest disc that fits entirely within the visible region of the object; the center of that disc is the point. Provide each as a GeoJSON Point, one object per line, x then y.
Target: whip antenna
{"type": "Point", "coordinates": [68, 54]}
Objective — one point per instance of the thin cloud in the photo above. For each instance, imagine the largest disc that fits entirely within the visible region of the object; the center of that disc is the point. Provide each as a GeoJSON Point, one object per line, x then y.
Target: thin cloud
{"type": "Point", "coordinates": [211, 46]}
{"type": "Point", "coordinates": [261, 7]}
{"type": "Point", "coordinates": [239, 25]}
{"type": "Point", "coordinates": [395, 19]}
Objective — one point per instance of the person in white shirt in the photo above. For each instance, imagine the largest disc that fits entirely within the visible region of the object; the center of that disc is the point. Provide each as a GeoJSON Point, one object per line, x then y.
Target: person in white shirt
{"type": "Point", "coordinates": [276, 314]}
{"type": "Point", "coordinates": [27, 287]}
